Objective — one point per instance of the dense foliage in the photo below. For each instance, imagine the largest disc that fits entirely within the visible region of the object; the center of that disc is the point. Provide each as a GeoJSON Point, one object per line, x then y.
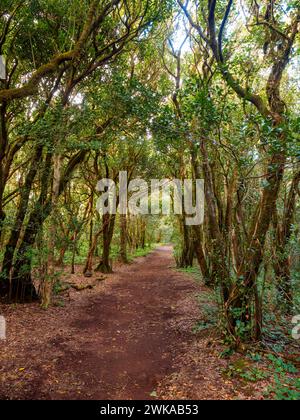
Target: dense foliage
{"type": "Point", "coordinates": [160, 89]}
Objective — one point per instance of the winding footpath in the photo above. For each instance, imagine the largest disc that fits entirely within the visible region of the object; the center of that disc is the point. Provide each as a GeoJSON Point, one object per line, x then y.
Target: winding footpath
{"type": "Point", "coordinates": [117, 342]}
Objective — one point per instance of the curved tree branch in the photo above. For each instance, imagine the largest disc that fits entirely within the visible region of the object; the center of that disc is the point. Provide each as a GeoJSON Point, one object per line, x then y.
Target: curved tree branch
{"type": "Point", "coordinates": [91, 25]}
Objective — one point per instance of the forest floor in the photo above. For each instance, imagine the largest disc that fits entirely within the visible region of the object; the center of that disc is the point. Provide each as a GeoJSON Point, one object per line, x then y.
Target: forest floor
{"type": "Point", "coordinates": [130, 337]}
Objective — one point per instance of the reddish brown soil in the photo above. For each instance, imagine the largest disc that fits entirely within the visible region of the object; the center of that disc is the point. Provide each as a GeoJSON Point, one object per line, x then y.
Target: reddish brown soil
{"type": "Point", "coordinates": [128, 338]}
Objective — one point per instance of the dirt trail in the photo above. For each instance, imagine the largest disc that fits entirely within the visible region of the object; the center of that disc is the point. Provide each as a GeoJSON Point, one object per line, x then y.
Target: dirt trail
{"type": "Point", "coordinates": [115, 342]}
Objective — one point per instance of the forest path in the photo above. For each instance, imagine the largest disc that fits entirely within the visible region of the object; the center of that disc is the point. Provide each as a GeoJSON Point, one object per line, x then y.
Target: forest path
{"type": "Point", "coordinates": [116, 344]}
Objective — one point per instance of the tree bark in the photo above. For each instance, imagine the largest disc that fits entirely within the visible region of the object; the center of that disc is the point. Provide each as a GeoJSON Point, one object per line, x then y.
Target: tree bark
{"type": "Point", "coordinates": [123, 239]}
{"type": "Point", "coordinates": [282, 261]}
{"type": "Point", "coordinates": [108, 229]}
{"type": "Point", "coordinates": [46, 292]}
{"type": "Point", "coordinates": [18, 223]}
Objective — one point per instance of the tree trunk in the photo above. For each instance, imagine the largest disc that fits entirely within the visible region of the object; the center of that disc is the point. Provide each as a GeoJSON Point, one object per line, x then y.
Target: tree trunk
{"type": "Point", "coordinates": [282, 261]}
{"type": "Point", "coordinates": [3, 171]}
{"type": "Point", "coordinates": [88, 268]}
{"type": "Point", "coordinates": [220, 271]}
{"type": "Point", "coordinates": [2, 219]}
{"type": "Point", "coordinates": [74, 248]}
{"type": "Point", "coordinates": [201, 258]}
{"type": "Point", "coordinates": [186, 257]}
{"type": "Point", "coordinates": [244, 293]}
{"type": "Point", "coordinates": [21, 286]}
{"type": "Point", "coordinates": [18, 223]}
{"type": "Point", "coordinates": [46, 294]}
{"type": "Point", "coordinates": [123, 239]}
{"type": "Point", "coordinates": [108, 229]}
